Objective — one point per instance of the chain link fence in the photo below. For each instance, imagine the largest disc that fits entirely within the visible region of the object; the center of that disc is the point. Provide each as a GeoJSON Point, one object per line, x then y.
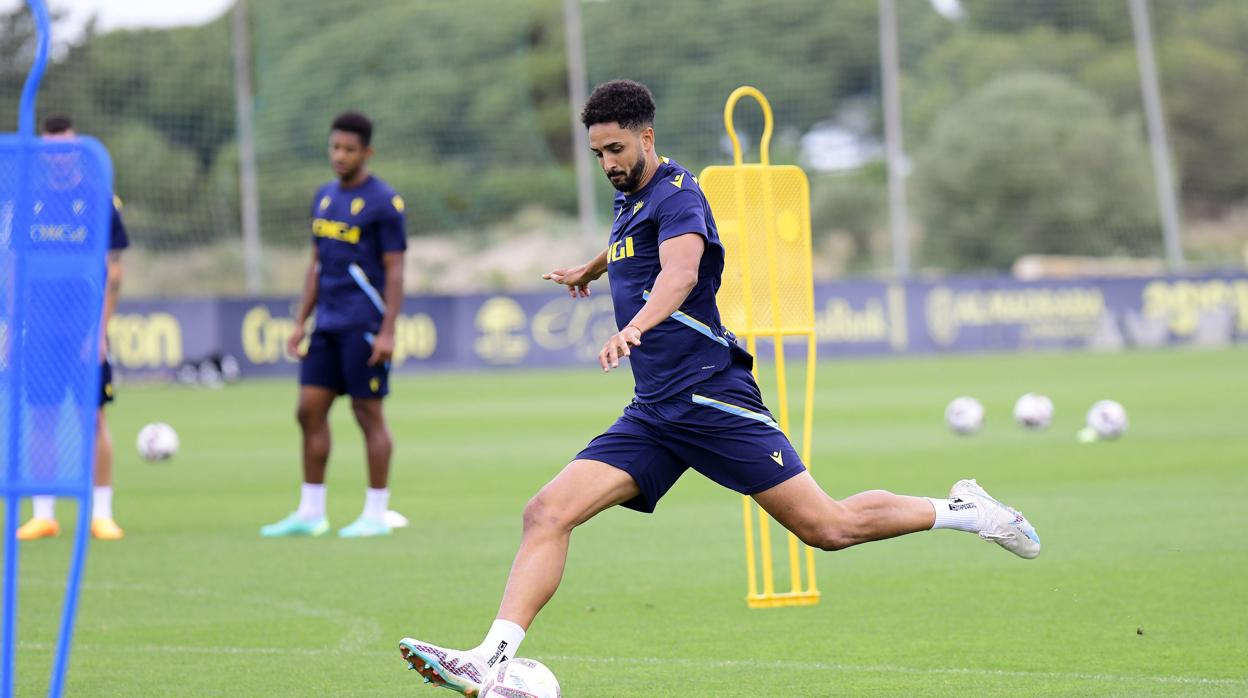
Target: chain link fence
{"type": "Point", "coordinates": [1022, 122]}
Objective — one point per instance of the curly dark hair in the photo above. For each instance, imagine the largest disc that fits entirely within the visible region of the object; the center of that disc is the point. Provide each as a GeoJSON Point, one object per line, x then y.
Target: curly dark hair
{"type": "Point", "coordinates": [354, 122]}
{"type": "Point", "coordinates": [625, 102]}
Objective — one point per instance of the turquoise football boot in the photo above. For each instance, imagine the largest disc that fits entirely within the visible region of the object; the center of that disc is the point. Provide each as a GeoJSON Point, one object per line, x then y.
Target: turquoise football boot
{"type": "Point", "coordinates": [365, 527]}
{"type": "Point", "coordinates": [293, 525]}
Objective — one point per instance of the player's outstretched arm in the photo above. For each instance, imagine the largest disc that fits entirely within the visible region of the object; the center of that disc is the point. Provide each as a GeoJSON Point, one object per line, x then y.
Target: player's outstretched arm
{"type": "Point", "coordinates": [577, 278]}
{"type": "Point", "coordinates": [306, 303]}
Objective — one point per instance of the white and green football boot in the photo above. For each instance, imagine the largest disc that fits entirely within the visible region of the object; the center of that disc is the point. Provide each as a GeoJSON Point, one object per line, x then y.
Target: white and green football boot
{"type": "Point", "coordinates": [996, 522]}
{"type": "Point", "coordinates": [294, 525]}
{"type": "Point", "coordinates": [459, 671]}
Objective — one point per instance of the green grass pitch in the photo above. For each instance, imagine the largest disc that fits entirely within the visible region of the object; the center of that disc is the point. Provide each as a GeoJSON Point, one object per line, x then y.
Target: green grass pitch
{"type": "Point", "coordinates": [1145, 535]}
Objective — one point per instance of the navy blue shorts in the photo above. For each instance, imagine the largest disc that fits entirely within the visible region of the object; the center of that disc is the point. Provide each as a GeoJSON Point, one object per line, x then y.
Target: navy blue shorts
{"type": "Point", "coordinates": [719, 427]}
{"type": "Point", "coordinates": [106, 382]}
{"type": "Point", "coordinates": [339, 361]}
{"type": "Point", "coordinates": [65, 351]}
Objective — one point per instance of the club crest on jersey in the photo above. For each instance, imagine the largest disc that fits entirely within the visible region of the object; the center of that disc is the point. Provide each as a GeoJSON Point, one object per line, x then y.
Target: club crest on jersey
{"type": "Point", "coordinates": [324, 202]}
{"type": "Point", "coordinates": [398, 204]}
{"type": "Point", "coordinates": [357, 205]}
{"type": "Point", "coordinates": [637, 206]}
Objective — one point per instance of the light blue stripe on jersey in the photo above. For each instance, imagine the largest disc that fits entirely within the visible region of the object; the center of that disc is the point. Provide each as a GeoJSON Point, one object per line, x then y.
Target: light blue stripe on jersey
{"type": "Point", "coordinates": [361, 280]}
{"type": "Point", "coordinates": [690, 322]}
{"type": "Point", "coordinates": [734, 409]}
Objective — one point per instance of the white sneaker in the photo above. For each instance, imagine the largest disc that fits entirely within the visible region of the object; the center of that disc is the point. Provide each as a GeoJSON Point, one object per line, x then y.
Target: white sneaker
{"type": "Point", "coordinates": [453, 669]}
{"type": "Point", "coordinates": [1005, 526]}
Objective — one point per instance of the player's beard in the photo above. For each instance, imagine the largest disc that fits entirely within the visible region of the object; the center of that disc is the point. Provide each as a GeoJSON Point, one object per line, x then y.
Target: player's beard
{"type": "Point", "coordinates": [633, 177]}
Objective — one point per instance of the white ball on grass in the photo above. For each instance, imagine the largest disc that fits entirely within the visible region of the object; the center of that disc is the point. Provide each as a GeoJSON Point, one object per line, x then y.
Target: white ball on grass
{"type": "Point", "coordinates": [1108, 419]}
{"type": "Point", "coordinates": [157, 441]}
{"type": "Point", "coordinates": [1033, 411]}
{"type": "Point", "coordinates": [964, 415]}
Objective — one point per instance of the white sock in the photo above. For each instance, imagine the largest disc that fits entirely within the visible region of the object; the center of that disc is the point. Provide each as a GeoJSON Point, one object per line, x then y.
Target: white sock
{"type": "Point", "coordinates": [311, 502]}
{"type": "Point", "coordinates": [376, 502]}
{"type": "Point", "coordinates": [501, 643]}
{"type": "Point", "coordinates": [960, 515]}
{"type": "Point", "coordinates": [102, 502]}
{"type": "Point", "coordinates": [45, 506]}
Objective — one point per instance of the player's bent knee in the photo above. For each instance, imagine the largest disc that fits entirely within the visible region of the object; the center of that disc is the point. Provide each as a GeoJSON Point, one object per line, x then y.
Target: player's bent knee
{"type": "Point", "coordinates": [825, 537]}
{"type": "Point", "coordinates": [541, 515]}
{"type": "Point", "coordinates": [830, 531]}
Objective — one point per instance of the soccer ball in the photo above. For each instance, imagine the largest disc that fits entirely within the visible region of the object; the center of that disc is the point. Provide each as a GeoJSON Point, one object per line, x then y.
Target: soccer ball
{"type": "Point", "coordinates": [157, 441]}
{"type": "Point", "coordinates": [520, 678]}
{"type": "Point", "coordinates": [1108, 419]}
{"type": "Point", "coordinates": [964, 415]}
{"type": "Point", "coordinates": [1033, 411]}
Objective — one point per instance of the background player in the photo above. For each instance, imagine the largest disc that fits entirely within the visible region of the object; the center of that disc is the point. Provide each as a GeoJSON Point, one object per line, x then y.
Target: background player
{"type": "Point", "coordinates": [355, 284]}
{"type": "Point", "coordinates": [44, 524]}
{"type": "Point", "coordinates": [696, 403]}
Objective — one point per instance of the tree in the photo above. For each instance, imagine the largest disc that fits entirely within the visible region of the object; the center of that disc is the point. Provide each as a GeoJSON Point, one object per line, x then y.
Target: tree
{"type": "Point", "coordinates": [17, 54]}
{"type": "Point", "coordinates": [1033, 163]}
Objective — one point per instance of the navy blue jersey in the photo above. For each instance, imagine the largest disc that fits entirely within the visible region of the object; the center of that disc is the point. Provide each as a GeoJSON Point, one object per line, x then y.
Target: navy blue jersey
{"type": "Point", "coordinates": [57, 223]}
{"type": "Point", "coordinates": [62, 221]}
{"type": "Point", "coordinates": [352, 229]}
{"type": "Point", "coordinates": [691, 345]}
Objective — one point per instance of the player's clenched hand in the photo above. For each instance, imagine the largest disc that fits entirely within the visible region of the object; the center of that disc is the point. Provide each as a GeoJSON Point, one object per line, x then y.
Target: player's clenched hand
{"type": "Point", "coordinates": [295, 339]}
{"type": "Point", "coordinates": [618, 347]}
{"type": "Point", "coordinates": [575, 278]}
{"type": "Point", "coordinates": [383, 349]}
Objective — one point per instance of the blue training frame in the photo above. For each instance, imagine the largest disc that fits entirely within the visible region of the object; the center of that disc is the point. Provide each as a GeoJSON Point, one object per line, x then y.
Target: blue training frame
{"type": "Point", "coordinates": [26, 144]}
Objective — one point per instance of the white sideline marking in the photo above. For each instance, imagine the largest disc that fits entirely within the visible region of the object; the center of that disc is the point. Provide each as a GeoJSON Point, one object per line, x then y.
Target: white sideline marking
{"type": "Point", "coordinates": [676, 661]}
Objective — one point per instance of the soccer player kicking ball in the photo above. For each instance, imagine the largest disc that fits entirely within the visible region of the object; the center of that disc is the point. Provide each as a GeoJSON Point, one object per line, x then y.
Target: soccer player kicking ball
{"type": "Point", "coordinates": [355, 284]}
{"type": "Point", "coordinates": [696, 405]}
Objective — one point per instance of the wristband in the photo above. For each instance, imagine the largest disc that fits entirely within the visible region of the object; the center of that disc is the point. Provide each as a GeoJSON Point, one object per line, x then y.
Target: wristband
{"type": "Point", "coordinates": [639, 332]}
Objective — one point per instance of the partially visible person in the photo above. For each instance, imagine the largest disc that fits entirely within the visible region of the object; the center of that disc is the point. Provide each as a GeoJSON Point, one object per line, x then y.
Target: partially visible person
{"type": "Point", "coordinates": [44, 524]}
